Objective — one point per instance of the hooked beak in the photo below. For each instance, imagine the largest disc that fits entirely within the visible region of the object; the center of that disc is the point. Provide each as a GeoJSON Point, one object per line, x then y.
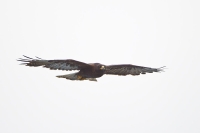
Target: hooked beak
{"type": "Point", "coordinates": [102, 67]}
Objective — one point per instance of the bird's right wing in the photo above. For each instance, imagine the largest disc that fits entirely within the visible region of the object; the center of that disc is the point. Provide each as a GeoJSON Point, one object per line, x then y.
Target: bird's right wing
{"type": "Point", "coordinates": [54, 64]}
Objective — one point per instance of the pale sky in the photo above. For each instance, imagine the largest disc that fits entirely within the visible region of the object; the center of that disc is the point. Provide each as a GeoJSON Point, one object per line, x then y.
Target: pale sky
{"type": "Point", "coordinates": [149, 33]}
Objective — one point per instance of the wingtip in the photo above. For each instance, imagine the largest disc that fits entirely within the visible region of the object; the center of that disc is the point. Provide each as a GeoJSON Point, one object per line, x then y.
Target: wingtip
{"type": "Point", "coordinates": [38, 58]}
{"type": "Point", "coordinates": [23, 64]}
{"type": "Point", "coordinates": [161, 69]}
{"type": "Point", "coordinates": [27, 57]}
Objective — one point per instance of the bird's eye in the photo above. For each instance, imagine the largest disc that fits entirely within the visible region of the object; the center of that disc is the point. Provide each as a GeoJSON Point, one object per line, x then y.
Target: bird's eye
{"type": "Point", "coordinates": [102, 67]}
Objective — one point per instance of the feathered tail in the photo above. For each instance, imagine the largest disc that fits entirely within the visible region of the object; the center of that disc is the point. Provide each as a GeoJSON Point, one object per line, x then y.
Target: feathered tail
{"type": "Point", "coordinates": [75, 76]}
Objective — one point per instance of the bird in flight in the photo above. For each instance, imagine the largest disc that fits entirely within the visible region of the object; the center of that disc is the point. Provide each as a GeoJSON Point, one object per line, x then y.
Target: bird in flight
{"type": "Point", "coordinates": [87, 71]}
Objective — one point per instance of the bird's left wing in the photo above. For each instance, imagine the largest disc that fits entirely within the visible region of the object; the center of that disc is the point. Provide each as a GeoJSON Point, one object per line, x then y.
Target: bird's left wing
{"type": "Point", "coordinates": [54, 64]}
{"type": "Point", "coordinates": [130, 69]}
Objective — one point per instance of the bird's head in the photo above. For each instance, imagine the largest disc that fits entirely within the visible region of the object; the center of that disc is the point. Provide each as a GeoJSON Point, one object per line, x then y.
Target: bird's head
{"type": "Point", "coordinates": [102, 67]}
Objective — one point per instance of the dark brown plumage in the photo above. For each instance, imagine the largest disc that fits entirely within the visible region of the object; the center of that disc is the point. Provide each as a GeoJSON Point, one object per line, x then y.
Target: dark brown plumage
{"type": "Point", "coordinates": [87, 71]}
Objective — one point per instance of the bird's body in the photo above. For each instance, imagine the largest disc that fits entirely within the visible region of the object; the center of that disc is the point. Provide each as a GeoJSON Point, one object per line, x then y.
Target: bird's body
{"type": "Point", "coordinates": [94, 72]}
{"type": "Point", "coordinates": [89, 71]}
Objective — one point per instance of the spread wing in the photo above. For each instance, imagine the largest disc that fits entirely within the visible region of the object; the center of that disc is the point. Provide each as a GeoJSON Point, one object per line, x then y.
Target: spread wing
{"type": "Point", "coordinates": [54, 64]}
{"type": "Point", "coordinates": [130, 69]}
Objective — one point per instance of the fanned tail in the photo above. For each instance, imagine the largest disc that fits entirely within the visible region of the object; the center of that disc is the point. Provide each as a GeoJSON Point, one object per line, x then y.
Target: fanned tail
{"type": "Point", "coordinates": [72, 76]}
{"type": "Point", "coordinates": [75, 76]}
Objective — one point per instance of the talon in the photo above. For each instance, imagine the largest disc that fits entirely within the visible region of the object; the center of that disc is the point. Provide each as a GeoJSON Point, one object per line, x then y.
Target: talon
{"type": "Point", "coordinates": [80, 78]}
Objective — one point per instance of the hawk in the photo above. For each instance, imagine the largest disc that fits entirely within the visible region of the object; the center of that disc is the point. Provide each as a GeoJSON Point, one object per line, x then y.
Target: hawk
{"type": "Point", "coordinates": [87, 71]}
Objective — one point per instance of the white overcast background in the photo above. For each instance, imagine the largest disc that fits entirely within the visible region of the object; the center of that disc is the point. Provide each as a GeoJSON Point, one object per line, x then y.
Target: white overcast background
{"type": "Point", "coordinates": [151, 33]}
